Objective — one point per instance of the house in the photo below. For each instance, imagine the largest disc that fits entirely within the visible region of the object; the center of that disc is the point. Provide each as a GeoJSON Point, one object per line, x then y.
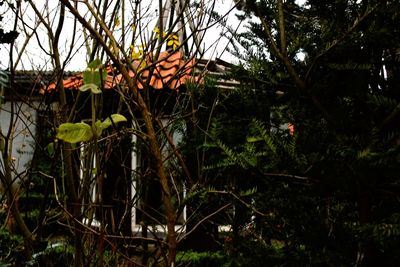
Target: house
{"type": "Point", "coordinates": [37, 98]}
{"type": "Point", "coordinates": [37, 95]}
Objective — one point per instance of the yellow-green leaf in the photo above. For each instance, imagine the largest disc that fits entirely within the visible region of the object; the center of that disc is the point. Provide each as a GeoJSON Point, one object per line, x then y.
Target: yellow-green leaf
{"type": "Point", "coordinates": [74, 132]}
{"type": "Point", "coordinates": [173, 41]}
{"type": "Point", "coordinates": [90, 86]}
{"type": "Point", "coordinates": [252, 139]}
{"type": "Point", "coordinates": [158, 33]}
{"type": "Point", "coordinates": [98, 128]}
{"type": "Point", "coordinates": [137, 52]}
{"type": "Point", "coordinates": [93, 73]}
{"type": "Point", "coordinates": [102, 125]}
{"type": "Point", "coordinates": [114, 118]}
{"type": "Point", "coordinates": [94, 77]}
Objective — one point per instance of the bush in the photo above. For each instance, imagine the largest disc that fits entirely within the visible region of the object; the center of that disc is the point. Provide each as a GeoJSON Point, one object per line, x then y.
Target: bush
{"type": "Point", "coordinates": [57, 255]}
{"type": "Point", "coordinates": [202, 259]}
{"type": "Point", "coordinates": [11, 248]}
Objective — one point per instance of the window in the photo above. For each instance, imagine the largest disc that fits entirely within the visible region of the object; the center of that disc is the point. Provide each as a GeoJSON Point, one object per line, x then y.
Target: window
{"type": "Point", "coordinates": [147, 208]}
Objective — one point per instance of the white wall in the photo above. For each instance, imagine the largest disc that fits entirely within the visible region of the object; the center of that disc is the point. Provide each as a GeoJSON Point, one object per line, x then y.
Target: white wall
{"type": "Point", "coordinates": [24, 123]}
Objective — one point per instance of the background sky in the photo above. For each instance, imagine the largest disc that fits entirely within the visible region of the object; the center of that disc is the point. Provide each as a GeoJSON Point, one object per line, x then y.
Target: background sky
{"type": "Point", "coordinates": [34, 58]}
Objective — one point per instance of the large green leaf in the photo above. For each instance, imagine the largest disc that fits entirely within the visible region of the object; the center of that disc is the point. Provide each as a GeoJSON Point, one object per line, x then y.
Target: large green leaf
{"type": "Point", "coordinates": [102, 125]}
{"type": "Point", "coordinates": [93, 74]}
{"type": "Point", "coordinates": [90, 86]}
{"type": "Point", "coordinates": [114, 118]}
{"type": "Point", "coordinates": [74, 132]}
{"type": "Point", "coordinates": [81, 132]}
{"type": "Point", "coordinates": [99, 127]}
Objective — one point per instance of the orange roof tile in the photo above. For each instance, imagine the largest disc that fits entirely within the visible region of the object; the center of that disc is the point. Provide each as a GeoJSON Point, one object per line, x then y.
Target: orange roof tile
{"type": "Point", "coordinates": [171, 71]}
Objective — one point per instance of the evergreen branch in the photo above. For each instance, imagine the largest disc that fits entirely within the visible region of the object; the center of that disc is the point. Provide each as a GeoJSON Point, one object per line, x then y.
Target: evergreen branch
{"type": "Point", "coordinates": [282, 55]}
{"type": "Point", "coordinates": [390, 118]}
{"type": "Point", "coordinates": [336, 42]}
{"type": "Point", "coordinates": [264, 135]}
{"type": "Point", "coordinates": [267, 30]}
{"type": "Point", "coordinates": [383, 101]}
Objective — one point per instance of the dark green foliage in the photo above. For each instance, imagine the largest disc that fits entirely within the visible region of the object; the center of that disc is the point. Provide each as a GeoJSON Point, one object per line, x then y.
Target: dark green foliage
{"type": "Point", "coordinates": [61, 255]}
{"type": "Point", "coordinates": [11, 248]}
{"type": "Point", "coordinates": [329, 193]}
{"type": "Point", "coordinates": [202, 259]}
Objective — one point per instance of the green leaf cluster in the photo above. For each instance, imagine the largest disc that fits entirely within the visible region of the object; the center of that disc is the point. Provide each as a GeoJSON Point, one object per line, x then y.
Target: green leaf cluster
{"type": "Point", "coordinates": [330, 189]}
{"type": "Point", "coordinates": [83, 132]}
{"type": "Point", "coordinates": [93, 77]}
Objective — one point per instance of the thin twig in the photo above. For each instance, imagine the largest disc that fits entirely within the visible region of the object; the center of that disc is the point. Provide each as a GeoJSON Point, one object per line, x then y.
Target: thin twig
{"type": "Point", "coordinates": [204, 219]}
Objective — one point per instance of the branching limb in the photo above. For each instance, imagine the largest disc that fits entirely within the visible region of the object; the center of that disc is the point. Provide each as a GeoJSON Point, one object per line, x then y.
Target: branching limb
{"type": "Point", "coordinates": [282, 55]}
{"type": "Point", "coordinates": [205, 219]}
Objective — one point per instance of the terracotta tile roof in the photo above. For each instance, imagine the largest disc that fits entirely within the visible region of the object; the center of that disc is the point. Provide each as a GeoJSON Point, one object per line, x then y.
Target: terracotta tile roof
{"type": "Point", "coordinates": [171, 71]}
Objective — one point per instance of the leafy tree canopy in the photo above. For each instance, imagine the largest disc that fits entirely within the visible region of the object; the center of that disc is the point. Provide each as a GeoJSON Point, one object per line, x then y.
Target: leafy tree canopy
{"type": "Point", "coordinates": [330, 68]}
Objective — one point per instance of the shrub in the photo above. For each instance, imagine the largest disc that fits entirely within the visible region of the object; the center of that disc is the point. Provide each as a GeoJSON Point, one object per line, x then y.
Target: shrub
{"type": "Point", "coordinates": [202, 259]}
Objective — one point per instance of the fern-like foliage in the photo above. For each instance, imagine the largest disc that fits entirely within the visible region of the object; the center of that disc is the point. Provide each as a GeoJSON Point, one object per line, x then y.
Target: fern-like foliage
{"type": "Point", "coordinates": [382, 102]}
{"type": "Point", "coordinates": [263, 135]}
{"type": "Point", "coordinates": [262, 151]}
